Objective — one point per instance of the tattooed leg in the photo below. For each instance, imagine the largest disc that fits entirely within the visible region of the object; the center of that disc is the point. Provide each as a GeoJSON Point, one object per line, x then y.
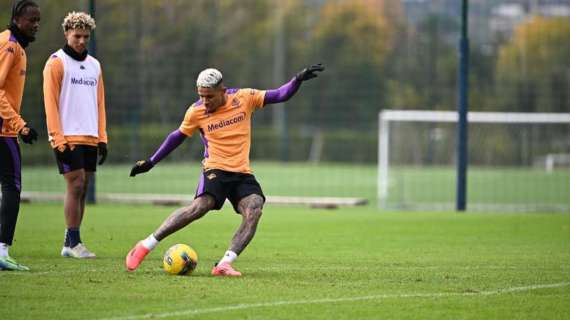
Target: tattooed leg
{"type": "Point", "coordinates": [250, 209]}
{"type": "Point", "coordinates": [184, 216]}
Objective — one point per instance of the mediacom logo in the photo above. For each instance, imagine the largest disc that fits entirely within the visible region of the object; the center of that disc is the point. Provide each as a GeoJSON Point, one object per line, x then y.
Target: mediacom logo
{"type": "Point", "coordinates": [227, 122]}
{"type": "Point", "coordinates": [85, 81]}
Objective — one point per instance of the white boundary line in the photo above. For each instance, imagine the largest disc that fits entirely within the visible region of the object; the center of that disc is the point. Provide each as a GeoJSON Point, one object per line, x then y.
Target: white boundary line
{"type": "Point", "coordinates": [195, 312]}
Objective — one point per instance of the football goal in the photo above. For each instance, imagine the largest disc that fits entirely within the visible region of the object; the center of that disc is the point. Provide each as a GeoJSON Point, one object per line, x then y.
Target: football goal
{"type": "Point", "coordinates": [416, 161]}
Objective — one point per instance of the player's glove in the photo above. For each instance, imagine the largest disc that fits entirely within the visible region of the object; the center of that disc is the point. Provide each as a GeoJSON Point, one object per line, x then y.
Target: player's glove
{"type": "Point", "coordinates": [63, 154]}
{"type": "Point", "coordinates": [141, 166]}
{"type": "Point", "coordinates": [102, 150]}
{"type": "Point", "coordinates": [309, 72]}
{"type": "Point", "coordinates": [28, 135]}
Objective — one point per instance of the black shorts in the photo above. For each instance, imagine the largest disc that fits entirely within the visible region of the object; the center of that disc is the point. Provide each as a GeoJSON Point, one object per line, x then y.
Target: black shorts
{"type": "Point", "coordinates": [223, 185]}
{"type": "Point", "coordinates": [82, 157]}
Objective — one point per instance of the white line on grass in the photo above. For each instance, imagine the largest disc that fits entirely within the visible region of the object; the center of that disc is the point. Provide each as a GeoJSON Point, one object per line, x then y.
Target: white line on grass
{"type": "Point", "coordinates": [334, 300]}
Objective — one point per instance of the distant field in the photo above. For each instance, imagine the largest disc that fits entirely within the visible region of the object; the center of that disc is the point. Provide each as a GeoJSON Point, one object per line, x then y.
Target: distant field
{"type": "Point", "coordinates": [532, 188]}
{"type": "Point", "coordinates": [486, 186]}
{"type": "Point", "coordinates": [303, 264]}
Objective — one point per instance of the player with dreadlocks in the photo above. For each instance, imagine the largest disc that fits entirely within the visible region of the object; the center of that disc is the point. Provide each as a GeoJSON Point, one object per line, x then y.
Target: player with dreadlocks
{"type": "Point", "coordinates": [24, 24]}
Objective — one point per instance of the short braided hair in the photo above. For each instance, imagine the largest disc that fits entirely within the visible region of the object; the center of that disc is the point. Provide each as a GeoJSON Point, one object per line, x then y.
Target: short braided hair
{"type": "Point", "coordinates": [20, 6]}
{"type": "Point", "coordinates": [78, 20]}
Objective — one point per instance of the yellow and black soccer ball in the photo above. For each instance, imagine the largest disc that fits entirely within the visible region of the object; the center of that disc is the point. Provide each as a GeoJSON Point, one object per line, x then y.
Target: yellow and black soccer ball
{"type": "Point", "coordinates": [180, 259]}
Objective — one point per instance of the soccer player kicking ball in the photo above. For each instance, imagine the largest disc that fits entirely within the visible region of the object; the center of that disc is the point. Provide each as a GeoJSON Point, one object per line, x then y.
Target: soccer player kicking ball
{"type": "Point", "coordinates": [222, 116]}
{"type": "Point", "coordinates": [13, 42]}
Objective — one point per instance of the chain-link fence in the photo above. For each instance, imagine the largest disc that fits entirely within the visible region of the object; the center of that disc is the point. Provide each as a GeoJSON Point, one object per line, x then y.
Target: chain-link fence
{"type": "Point", "coordinates": [379, 54]}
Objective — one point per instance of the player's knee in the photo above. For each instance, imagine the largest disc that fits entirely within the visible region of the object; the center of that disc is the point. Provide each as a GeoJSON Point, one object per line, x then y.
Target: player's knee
{"type": "Point", "coordinates": [77, 186]}
{"type": "Point", "coordinates": [76, 190]}
{"type": "Point", "coordinates": [253, 213]}
{"type": "Point", "coordinates": [200, 206]}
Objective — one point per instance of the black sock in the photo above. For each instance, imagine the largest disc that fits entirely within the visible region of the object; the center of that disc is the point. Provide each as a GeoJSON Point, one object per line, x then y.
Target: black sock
{"type": "Point", "coordinates": [72, 237]}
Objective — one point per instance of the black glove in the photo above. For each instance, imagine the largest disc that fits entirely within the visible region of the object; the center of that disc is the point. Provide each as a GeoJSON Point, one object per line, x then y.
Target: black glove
{"type": "Point", "coordinates": [309, 72]}
{"type": "Point", "coordinates": [28, 135]}
{"type": "Point", "coordinates": [64, 156]}
{"type": "Point", "coordinates": [102, 150]}
{"type": "Point", "coordinates": [141, 166]}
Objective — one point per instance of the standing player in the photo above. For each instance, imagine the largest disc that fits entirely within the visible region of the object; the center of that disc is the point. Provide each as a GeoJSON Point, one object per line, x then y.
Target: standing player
{"type": "Point", "coordinates": [223, 119]}
{"type": "Point", "coordinates": [74, 100]}
{"type": "Point", "coordinates": [24, 24]}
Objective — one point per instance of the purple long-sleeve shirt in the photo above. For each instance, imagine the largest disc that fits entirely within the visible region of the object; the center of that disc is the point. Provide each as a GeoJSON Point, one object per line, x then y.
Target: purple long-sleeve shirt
{"type": "Point", "coordinates": [172, 141]}
{"type": "Point", "coordinates": [283, 93]}
{"type": "Point", "coordinates": [175, 138]}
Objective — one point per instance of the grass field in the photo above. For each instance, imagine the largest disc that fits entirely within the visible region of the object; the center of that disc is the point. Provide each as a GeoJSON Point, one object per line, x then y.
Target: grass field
{"type": "Point", "coordinates": [522, 188]}
{"type": "Point", "coordinates": [303, 264]}
{"type": "Point", "coordinates": [510, 187]}
{"type": "Point", "coordinates": [284, 179]}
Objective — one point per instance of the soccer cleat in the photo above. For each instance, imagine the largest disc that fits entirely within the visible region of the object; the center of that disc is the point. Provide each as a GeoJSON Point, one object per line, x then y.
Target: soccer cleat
{"type": "Point", "coordinates": [225, 269]}
{"type": "Point", "coordinates": [79, 252]}
{"type": "Point", "coordinates": [136, 256]}
{"type": "Point", "coordinates": [8, 263]}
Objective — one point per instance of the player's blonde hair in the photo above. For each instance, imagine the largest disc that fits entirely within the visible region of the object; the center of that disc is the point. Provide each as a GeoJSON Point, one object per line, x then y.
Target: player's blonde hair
{"type": "Point", "coordinates": [78, 20]}
{"type": "Point", "coordinates": [209, 78]}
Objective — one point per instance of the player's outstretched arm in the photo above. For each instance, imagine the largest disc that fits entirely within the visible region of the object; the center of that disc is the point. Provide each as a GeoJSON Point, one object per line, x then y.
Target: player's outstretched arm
{"type": "Point", "coordinates": [172, 141]}
{"type": "Point", "coordinates": [286, 91]}
{"type": "Point", "coordinates": [309, 72]}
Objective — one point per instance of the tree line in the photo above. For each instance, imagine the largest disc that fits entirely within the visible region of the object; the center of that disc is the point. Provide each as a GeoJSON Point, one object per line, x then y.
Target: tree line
{"type": "Point", "coordinates": [151, 52]}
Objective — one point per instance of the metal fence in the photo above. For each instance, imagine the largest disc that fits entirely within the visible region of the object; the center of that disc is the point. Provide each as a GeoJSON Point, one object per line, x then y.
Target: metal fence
{"type": "Point", "coordinates": [379, 54]}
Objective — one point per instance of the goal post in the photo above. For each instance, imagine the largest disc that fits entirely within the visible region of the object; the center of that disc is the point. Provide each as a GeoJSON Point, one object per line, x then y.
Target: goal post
{"type": "Point", "coordinates": [508, 142]}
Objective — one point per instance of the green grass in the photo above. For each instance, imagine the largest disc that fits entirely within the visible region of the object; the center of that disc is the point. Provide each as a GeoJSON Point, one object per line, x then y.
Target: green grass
{"type": "Point", "coordinates": [369, 265]}
{"type": "Point", "coordinates": [533, 188]}
{"type": "Point", "coordinates": [521, 187]}
{"type": "Point", "coordinates": [289, 179]}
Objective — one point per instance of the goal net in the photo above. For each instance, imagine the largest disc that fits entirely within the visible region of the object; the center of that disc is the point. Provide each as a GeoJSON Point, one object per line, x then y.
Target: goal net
{"type": "Point", "coordinates": [517, 161]}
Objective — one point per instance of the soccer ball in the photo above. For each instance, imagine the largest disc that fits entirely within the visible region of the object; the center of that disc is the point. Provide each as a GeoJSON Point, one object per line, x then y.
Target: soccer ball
{"type": "Point", "coordinates": [180, 259]}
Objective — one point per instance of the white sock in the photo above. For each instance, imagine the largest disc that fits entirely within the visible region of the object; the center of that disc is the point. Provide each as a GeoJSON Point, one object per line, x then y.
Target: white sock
{"type": "Point", "coordinates": [3, 250]}
{"type": "Point", "coordinates": [228, 257]}
{"type": "Point", "coordinates": [150, 242]}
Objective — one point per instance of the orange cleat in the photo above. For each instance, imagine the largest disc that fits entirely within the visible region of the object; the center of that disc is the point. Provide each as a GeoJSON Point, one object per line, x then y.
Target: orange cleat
{"type": "Point", "coordinates": [136, 256]}
{"type": "Point", "coordinates": [225, 269]}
